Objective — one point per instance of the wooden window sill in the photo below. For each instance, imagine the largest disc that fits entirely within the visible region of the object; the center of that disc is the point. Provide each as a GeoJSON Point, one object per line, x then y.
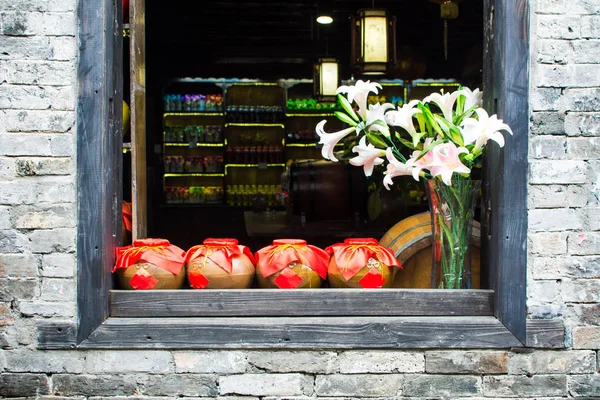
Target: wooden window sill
{"type": "Point", "coordinates": [302, 319]}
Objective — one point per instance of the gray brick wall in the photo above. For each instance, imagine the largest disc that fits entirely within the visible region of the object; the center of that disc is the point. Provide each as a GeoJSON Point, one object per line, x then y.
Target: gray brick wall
{"type": "Point", "coordinates": [564, 269]}
{"type": "Point", "coordinates": [37, 244]}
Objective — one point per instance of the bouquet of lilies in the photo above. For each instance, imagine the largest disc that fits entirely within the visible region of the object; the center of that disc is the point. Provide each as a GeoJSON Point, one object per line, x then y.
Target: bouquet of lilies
{"type": "Point", "coordinates": [442, 135]}
{"type": "Point", "coordinates": [440, 139]}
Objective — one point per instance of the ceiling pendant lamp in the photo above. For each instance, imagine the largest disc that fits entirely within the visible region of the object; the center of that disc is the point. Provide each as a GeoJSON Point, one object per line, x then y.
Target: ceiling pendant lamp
{"type": "Point", "coordinates": [448, 10]}
{"type": "Point", "coordinates": [326, 79]}
{"type": "Point", "coordinates": [373, 41]}
{"type": "Point", "coordinates": [324, 14]}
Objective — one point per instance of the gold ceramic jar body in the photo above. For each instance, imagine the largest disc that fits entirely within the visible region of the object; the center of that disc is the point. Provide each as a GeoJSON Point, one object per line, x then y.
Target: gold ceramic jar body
{"type": "Point", "coordinates": [241, 275]}
{"type": "Point", "coordinates": [336, 279]}
{"type": "Point", "coordinates": [165, 279]}
{"type": "Point", "coordinates": [310, 279]}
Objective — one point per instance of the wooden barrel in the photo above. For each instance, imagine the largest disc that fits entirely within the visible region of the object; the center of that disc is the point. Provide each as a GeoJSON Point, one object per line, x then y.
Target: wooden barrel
{"type": "Point", "coordinates": [410, 239]}
{"type": "Point", "coordinates": [326, 190]}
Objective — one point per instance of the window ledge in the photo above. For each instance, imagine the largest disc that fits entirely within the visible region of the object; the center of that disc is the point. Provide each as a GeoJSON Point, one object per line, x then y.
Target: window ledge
{"type": "Point", "coordinates": [302, 319]}
{"type": "Point", "coordinates": [313, 333]}
{"type": "Point", "coordinates": [300, 303]}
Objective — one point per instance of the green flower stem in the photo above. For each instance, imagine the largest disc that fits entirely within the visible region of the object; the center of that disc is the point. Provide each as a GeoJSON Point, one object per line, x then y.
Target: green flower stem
{"type": "Point", "coordinates": [452, 213]}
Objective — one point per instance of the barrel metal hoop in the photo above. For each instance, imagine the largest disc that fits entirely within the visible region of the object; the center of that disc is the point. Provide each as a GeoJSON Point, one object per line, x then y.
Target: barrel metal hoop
{"type": "Point", "coordinates": [406, 232]}
{"type": "Point", "coordinates": [416, 244]}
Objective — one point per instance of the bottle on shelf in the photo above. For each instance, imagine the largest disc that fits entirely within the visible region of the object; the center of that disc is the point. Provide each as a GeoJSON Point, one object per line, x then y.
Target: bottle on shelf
{"type": "Point", "coordinates": [193, 102]}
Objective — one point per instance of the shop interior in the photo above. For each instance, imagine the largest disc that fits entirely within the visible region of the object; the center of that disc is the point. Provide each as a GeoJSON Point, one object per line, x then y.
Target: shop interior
{"type": "Point", "coordinates": [257, 59]}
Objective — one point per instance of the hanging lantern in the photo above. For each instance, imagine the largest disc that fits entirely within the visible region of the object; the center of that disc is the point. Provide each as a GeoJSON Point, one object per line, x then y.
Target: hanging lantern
{"type": "Point", "coordinates": [373, 41]}
{"type": "Point", "coordinates": [326, 79]}
{"type": "Point", "coordinates": [448, 10]}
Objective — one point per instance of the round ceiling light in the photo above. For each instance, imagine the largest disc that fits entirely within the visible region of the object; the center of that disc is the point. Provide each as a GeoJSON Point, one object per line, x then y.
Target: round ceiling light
{"type": "Point", "coordinates": [324, 19]}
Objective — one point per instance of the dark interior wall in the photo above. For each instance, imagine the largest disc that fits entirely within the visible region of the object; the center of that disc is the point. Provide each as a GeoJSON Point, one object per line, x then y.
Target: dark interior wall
{"type": "Point", "coordinates": [271, 40]}
{"type": "Point", "coordinates": [274, 39]}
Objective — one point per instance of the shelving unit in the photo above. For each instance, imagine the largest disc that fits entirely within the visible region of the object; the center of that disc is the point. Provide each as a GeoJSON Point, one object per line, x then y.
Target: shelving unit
{"type": "Point", "coordinates": [192, 175]}
{"type": "Point", "coordinates": [251, 166]}
{"type": "Point", "coordinates": [193, 145]}
{"type": "Point", "coordinates": [255, 134]}
{"type": "Point", "coordinates": [309, 114]}
{"type": "Point", "coordinates": [193, 158]}
{"type": "Point", "coordinates": [300, 145]}
{"type": "Point", "coordinates": [254, 123]}
{"type": "Point", "coordinates": [420, 88]}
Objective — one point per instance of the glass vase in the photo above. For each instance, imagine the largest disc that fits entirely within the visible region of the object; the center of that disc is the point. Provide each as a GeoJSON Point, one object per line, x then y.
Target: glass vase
{"type": "Point", "coordinates": [451, 209]}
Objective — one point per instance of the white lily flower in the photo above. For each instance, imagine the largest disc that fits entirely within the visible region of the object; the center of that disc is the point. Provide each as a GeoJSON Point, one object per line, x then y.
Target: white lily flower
{"type": "Point", "coordinates": [480, 130]}
{"type": "Point", "coordinates": [376, 112]}
{"type": "Point", "coordinates": [359, 93]}
{"type": "Point", "coordinates": [368, 156]}
{"type": "Point", "coordinates": [446, 161]}
{"type": "Point", "coordinates": [472, 98]}
{"type": "Point", "coordinates": [444, 101]}
{"type": "Point", "coordinates": [330, 140]}
{"type": "Point", "coordinates": [394, 168]}
{"type": "Point", "coordinates": [403, 117]}
{"type": "Point", "coordinates": [418, 162]}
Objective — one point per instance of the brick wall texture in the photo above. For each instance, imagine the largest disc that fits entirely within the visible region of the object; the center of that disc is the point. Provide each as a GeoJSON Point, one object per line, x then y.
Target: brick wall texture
{"type": "Point", "coordinates": [38, 62]}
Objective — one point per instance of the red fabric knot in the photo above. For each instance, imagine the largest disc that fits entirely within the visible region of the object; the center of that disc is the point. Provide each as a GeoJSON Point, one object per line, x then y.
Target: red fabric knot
{"type": "Point", "coordinates": [220, 242]}
{"type": "Point", "coordinates": [300, 242]}
{"type": "Point", "coordinates": [197, 280]}
{"type": "Point", "coordinates": [154, 251]}
{"type": "Point", "coordinates": [283, 252]}
{"type": "Point", "coordinates": [151, 242]}
{"type": "Point", "coordinates": [354, 254]}
{"type": "Point", "coordinates": [220, 251]}
{"type": "Point", "coordinates": [142, 280]}
{"type": "Point", "coordinates": [361, 241]}
{"type": "Point", "coordinates": [288, 279]}
{"type": "Point", "coordinates": [372, 280]}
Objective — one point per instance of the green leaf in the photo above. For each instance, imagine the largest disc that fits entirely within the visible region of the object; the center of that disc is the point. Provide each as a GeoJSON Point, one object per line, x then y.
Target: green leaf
{"type": "Point", "coordinates": [347, 107]}
{"type": "Point", "coordinates": [408, 144]}
{"type": "Point", "coordinates": [464, 115]}
{"type": "Point", "coordinates": [442, 123]}
{"type": "Point", "coordinates": [381, 123]}
{"type": "Point", "coordinates": [426, 149]}
{"type": "Point", "coordinates": [460, 103]}
{"type": "Point", "coordinates": [344, 118]}
{"type": "Point", "coordinates": [377, 140]}
{"type": "Point", "coordinates": [421, 120]}
{"type": "Point", "coordinates": [450, 130]}
{"type": "Point", "coordinates": [399, 155]}
{"type": "Point", "coordinates": [430, 119]}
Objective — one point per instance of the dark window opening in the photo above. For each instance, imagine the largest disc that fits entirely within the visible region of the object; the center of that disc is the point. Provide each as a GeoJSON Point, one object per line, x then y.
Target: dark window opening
{"type": "Point", "coordinates": [269, 42]}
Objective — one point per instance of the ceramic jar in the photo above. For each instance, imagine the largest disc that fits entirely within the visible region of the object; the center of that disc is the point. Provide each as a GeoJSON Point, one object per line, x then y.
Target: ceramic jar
{"type": "Point", "coordinates": [361, 263]}
{"type": "Point", "coordinates": [291, 264]}
{"type": "Point", "coordinates": [220, 264]}
{"type": "Point", "coordinates": [150, 264]}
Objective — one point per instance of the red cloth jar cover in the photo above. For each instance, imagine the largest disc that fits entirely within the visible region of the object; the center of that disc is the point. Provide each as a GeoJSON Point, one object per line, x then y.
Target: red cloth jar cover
{"type": "Point", "coordinates": [286, 252]}
{"type": "Point", "coordinates": [127, 225]}
{"type": "Point", "coordinates": [354, 254]}
{"type": "Point", "coordinates": [156, 256]}
{"type": "Point", "coordinates": [234, 263]}
{"type": "Point", "coordinates": [127, 215]}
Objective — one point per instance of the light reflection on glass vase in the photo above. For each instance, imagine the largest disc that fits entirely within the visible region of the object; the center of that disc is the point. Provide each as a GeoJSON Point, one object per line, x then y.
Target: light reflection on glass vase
{"type": "Point", "coordinates": [451, 209]}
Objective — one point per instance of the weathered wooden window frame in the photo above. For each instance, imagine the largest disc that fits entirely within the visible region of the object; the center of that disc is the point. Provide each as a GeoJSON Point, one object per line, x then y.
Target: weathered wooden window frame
{"type": "Point", "coordinates": [314, 319]}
